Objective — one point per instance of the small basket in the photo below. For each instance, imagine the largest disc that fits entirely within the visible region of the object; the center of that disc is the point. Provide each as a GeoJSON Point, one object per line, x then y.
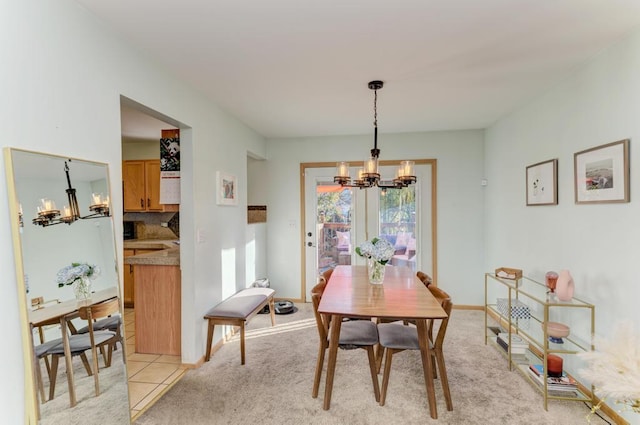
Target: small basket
{"type": "Point", "coordinates": [509, 273]}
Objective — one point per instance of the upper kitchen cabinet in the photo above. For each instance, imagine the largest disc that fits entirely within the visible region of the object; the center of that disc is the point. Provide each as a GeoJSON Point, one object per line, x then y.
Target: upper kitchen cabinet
{"type": "Point", "coordinates": [141, 186]}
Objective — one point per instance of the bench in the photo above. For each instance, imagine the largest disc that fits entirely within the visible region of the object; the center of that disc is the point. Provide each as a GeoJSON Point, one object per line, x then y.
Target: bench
{"type": "Point", "coordinates": [237, 310]}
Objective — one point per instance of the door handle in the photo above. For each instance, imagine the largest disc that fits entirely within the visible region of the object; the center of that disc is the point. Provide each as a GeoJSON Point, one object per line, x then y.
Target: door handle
{"type": "Point", "coordinates": [141, 203]}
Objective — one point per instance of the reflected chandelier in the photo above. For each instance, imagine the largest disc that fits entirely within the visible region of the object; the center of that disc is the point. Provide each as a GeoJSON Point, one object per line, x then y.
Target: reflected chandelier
{"type": "Point", "coordinates": [368, 176]}
{"type": "Point", "coordinates": [48, 215]}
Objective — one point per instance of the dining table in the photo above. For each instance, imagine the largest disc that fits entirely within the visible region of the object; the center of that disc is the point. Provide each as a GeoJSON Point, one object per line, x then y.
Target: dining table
{"type": "Point", "coordinates": [400, 296]}
{"type": "Point", "coordinates": [62, 313]}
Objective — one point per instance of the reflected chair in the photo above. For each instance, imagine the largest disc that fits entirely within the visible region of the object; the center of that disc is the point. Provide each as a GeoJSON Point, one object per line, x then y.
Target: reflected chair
{"type": "Point", "coordinates": [395, 338]}
{"type": "Point", "coordinates": [80, 343]}
{"type": "Point", "coordinates": [109, 323]}
{"type": "Point", "coordinates": [353, 334]}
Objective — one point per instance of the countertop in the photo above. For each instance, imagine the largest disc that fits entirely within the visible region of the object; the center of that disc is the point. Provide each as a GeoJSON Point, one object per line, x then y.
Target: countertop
{"type": "Point", "coordinates": [167, 254]}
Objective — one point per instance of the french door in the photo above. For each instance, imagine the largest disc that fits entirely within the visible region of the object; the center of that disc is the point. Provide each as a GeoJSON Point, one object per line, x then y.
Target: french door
{"type": "Point", "coordinates": [336, 220]}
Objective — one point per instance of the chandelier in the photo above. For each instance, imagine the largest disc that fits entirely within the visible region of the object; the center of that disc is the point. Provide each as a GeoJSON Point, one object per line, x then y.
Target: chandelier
{"type": "Point", "coordinates": [48, 215]}
{"type": "Point", "coordinates": [368, 175]}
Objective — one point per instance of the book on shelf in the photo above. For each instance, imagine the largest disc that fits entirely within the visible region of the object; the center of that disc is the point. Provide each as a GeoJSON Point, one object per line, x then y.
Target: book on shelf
{"type": "Point", "coordinates": [518, 345]}
{"type": "Point", "coordinates": [562, 383]}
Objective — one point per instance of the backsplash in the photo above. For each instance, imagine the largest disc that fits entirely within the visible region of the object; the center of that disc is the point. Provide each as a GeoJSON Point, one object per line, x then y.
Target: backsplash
{"type": "Point", "coordinates": [149, 225]}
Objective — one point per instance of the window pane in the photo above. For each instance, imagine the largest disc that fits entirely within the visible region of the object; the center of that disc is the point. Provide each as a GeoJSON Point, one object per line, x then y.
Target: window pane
{"type": "Point", "coordinates": [398, 224]}
{"type": "Point", "coordinates": [334, 225]}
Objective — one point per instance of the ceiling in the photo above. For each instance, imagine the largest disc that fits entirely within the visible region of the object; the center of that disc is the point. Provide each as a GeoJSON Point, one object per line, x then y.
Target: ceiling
{"type": "Point", "coordinates": [291, 68]}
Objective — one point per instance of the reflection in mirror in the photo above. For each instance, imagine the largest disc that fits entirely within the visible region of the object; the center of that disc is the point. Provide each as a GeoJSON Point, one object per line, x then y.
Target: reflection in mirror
{"type": "Point", "coordinates": [45, 243]}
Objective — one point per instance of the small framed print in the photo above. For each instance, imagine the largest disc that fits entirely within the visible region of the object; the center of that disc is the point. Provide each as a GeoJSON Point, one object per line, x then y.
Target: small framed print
{"type": "Point", "coordinates": [542, 183]}
{"type": "Point", "coordinates": [227, 189]}
{"type": "Point", "coordinates": [601, 174]}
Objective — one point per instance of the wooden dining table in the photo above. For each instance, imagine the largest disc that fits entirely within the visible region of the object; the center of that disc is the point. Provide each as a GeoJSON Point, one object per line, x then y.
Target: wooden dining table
{"type": "Point", "coordinates": [401, 296]}
{"type": "Point", "coordinates": [62, 313]}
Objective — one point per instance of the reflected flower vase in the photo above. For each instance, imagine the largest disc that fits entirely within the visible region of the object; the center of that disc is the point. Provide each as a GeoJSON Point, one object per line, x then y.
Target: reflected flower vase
{"type": "Point", "coordinates": [82, 288]}
{"type": "Point", "coordinates": [375, 271]}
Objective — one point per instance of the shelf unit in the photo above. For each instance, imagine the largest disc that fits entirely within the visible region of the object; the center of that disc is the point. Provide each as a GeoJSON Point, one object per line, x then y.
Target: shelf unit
{"type": "Point", "coordinates": [524, 306]}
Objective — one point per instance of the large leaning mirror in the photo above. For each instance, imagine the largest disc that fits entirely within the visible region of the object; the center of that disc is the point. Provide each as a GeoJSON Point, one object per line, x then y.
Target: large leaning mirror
{"type": "Point", "coordinates": [51, 237]}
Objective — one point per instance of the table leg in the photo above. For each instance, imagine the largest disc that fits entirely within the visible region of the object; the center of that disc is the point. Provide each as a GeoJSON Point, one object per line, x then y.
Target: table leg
{"type": "Point", "coordinates": [425, 352]}
{"type": "Point", "coordinates": [68, 362]}
{"type": "Point", "coordinates": [334, 339]}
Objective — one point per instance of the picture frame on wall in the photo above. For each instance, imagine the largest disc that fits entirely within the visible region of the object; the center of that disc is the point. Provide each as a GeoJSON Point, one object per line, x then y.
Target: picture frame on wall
{"type": "Point", "coordinates": [542, 183]}
{"type": "Point", "coordinates": [601, 174]}
{"type": "Point", "coordinates": [227, 188]}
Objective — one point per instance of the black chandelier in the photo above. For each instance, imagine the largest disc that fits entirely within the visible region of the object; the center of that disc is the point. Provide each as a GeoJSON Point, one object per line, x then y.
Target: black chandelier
{"type": "Point", "coordinates": [48, 215]}
{"type": "Point", "coordinates": [368, 175]}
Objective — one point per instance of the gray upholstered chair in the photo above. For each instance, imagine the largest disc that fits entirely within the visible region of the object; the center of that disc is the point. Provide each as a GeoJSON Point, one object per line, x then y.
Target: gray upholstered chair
{"type": "Point", "coordinates": [395, 337]}
{"type": "Point", "coordinates": [353, 334]}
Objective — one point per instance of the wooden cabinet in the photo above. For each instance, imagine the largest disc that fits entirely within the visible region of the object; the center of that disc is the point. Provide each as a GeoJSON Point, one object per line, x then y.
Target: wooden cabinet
{"type": "Point", "coordinates": [129, 277]}
{"type": "Point", "coordinates": [158, 307]}
{"type": "Point", "coordinates": [141, 186]}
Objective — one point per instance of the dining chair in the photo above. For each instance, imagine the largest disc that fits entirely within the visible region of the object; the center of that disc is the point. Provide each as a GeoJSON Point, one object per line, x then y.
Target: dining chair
{"type": "Point", "coordinates": [103, 311]}
{"type": "Point", "coordinates": [395, 337]}
{"type": "Point", "coordinates": [353, 334]}
{"type": "Point", "coordinates": [80, 343]}
{"type": "Point", "coordinates": [110, 323]}
{"type": "Point", "coordinates": [424, 278]}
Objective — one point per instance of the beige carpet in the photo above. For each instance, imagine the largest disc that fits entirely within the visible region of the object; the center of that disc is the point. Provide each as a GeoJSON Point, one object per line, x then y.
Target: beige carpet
{"type": "Point", "coordinates": [274, 387]}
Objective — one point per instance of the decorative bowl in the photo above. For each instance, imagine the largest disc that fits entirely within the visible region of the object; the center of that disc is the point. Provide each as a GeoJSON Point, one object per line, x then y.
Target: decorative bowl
{"type": "Point", "coordinates": [556, 331]}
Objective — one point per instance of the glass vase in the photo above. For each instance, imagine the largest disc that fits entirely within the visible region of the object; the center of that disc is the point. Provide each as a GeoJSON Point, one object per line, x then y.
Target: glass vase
{"type": "Point", "coordinates": [375, 271]}
{"type": "Point", "coordinates": [82, 288]}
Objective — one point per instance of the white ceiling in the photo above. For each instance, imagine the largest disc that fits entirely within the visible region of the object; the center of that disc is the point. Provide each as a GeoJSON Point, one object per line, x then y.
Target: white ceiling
{"type": "Point", "coordinates": [291, 68]}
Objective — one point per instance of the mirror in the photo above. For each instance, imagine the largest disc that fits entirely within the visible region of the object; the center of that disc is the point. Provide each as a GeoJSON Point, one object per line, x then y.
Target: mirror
{"type": "Point", "coordinates": [40, 253]}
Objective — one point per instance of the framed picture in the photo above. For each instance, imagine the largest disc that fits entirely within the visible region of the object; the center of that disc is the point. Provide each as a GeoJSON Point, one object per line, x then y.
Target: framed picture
{"type": "Point", "coordinates": [227, 188]}
{"type": "Point", "coordinates": [542, 183]}
{"type": "Point", "coordinates": [601, 174]}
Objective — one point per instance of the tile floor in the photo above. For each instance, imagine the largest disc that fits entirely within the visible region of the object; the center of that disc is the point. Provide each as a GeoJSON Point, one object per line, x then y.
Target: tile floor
{"type": "Point", "coordinates": [150, 375]}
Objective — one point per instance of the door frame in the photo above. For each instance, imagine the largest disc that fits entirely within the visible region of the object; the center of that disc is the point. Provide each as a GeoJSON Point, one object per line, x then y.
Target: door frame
{"type": "Point", "coordinates": [434, 217]}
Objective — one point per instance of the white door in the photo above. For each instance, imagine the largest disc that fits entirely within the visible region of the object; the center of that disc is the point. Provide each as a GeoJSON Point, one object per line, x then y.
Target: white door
{"type": "Point", "coordinates": [338, 219]}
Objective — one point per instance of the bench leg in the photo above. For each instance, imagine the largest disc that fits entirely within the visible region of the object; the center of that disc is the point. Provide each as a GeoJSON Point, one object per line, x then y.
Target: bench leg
{"type": "Point", "coordinates": [209, 341]}
{"type": "Point", "coordinates": [272, 311]}
{"type": "Point", "coordinates": [242, 343]}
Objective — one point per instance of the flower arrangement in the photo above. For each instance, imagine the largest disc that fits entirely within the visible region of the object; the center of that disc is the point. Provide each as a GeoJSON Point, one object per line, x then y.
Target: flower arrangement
{"type": "Point", "coordinates": [614, 369]}
{"type": "Point", "coordinates": [378, 249]}
{"type": "Point", "coordinates": [76, 272]}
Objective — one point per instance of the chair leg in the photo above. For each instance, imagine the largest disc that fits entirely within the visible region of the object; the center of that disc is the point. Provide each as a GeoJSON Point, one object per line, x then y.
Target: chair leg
{"type": "Point", "coordinates": [374, 371]}
{"type": "Point", "coordinates": [379, 355]}
{"type": "Point", "coordinates": [272, 311]}
{"type": "Point", "coordinates": [85, 362]}
{"type": "Point", "coordinates": [40, 383]}
{"type": "Point", "coordinates": [319, 365]}
{"type": "Point", "coordinates": [53, 373]}
{"type": "Point", "coordinates": [444, 379]}
{"type": "Point", "coordinates": [385, 377]}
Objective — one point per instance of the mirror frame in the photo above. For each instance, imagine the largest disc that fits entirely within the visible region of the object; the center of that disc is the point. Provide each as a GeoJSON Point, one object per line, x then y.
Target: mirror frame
{"type": "Point", "coordinates": [32, 407]}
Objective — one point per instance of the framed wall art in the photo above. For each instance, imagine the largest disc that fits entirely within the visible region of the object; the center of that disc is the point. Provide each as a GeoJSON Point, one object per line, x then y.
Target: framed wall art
{"type": "Point", "coordinates": [601, 174]}
{"type": "Point", "coordinates": [542, 183]}
{"type": "Point", "coordinates": [227, 189]}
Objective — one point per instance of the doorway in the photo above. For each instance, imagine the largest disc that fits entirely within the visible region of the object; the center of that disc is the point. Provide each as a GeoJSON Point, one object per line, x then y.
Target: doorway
{"type": "Point", "coordinates": [337, 219]}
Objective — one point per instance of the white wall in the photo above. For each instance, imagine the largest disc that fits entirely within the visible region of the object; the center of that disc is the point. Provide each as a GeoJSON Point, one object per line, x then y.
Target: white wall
{"type": "Point", "coordinates": [62, 76]}
{"type": "Point", "coordinates": [460, 199]}
{"type": "Point", "coordinates": [598, 243]}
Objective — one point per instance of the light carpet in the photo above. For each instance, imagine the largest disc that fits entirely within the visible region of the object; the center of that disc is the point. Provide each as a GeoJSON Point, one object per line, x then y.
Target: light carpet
{"type": "Point", "coordinates": [274, 387]}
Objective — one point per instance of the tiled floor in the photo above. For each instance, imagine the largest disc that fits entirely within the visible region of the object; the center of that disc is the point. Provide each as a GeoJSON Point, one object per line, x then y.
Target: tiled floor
{"type": "Point", "coordinates": [150, 375]}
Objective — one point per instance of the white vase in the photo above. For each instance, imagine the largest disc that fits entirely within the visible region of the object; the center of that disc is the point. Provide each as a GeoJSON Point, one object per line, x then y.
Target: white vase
{"type": "Point", "coordinates": [565, 286]}
{"type": "Point", "coordinates": [82, 288]}
{"type": "Point", "coordinates": [375, 271]}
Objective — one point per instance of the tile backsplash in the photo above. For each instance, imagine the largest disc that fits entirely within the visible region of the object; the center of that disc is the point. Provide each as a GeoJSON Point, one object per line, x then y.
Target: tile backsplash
{"type": "Point", "coordinates": [155, 225]}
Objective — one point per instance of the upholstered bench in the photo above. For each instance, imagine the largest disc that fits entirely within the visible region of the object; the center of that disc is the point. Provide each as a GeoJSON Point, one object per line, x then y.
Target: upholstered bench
{"type": "Point", "coordinates": [237, 310]}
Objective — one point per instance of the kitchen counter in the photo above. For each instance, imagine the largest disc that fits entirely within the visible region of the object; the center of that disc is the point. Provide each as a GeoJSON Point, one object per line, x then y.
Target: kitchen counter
{"type": "Point", "coordinates": [167, 252]}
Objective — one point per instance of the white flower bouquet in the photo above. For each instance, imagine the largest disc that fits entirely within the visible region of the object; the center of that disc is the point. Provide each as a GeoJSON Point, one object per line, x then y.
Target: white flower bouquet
{"type": "Point", "coordinates": [378, 249]}
{"type": "Point", "coordinates": [76, 272]}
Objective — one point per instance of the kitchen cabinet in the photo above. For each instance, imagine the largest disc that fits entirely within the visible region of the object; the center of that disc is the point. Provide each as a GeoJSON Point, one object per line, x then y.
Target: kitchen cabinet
{"type": "Point", "coordinates": [141, 186]}
{"type": "Point", "coordinates": [129, 276]}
